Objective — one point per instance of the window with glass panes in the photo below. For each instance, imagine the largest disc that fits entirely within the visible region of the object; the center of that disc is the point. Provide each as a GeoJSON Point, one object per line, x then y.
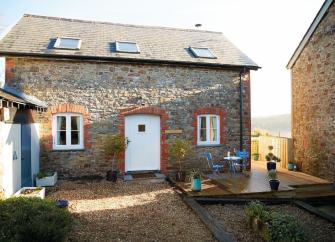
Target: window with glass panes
{"type": "Point", "coordinates": [208, 129]}
{"type": "Point", "coordinates": [68, 131]}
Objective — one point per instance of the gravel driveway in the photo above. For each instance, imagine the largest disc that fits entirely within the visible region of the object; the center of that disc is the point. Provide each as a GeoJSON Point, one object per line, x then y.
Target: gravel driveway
{"type": "Point", "coordinates": [144, 210]}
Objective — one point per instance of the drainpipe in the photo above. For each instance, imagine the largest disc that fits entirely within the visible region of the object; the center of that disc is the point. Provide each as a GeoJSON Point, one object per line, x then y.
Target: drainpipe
{"type": "Point", "coordinates": [241, 109]}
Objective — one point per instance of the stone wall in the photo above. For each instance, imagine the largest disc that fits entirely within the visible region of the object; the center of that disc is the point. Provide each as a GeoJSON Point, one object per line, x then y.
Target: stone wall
{"type": "Point", "coordinates": [104, 89]}
{"type": "Point", "coordinates": [313, 108]}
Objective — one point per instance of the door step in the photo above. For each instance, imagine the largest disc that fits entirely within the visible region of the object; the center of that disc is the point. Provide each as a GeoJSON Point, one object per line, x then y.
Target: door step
{"type": "Point", "coordinates": [143, 176]}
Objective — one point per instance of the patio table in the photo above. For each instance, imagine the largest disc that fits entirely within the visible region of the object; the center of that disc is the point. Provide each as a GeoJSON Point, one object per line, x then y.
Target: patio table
{"type": "Point", "coordinates": [231, 160]}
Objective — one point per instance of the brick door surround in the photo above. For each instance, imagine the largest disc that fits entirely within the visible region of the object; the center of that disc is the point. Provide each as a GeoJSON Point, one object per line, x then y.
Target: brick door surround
{"type": "Point", "coordinates": [163, 123]}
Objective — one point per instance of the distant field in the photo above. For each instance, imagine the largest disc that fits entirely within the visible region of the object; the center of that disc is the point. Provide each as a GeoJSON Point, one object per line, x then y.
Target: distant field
{"type": "Point", "coordinates": [273, 124]}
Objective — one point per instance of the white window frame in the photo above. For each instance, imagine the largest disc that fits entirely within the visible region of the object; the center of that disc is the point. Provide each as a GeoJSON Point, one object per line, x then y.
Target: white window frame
{"type": "Point", "coordinates": [194, 52]}
{"type": "Point", "coordinates": [68, 145]}
{"type": "Point", "coordinates": [117, 47]}
{"type": "Point", "coordinates": [58, 41]}
{"type": "Point", "coordinates": [208, 142]}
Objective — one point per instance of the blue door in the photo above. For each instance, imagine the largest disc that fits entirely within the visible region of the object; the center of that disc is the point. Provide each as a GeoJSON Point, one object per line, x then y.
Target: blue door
{"type": "Point", "coordinates": [26, 180]}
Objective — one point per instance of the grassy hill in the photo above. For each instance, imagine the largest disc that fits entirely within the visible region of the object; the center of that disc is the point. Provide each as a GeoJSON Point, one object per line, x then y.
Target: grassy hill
{"type": "Point", "coordinates": [273, 124]}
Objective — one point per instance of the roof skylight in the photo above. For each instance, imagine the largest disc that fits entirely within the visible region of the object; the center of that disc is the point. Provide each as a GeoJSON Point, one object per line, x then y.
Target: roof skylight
{"type": "Point", "coordinates": [128, 47]}
{"type": "Point", "coordinates": [67, 43]}
{"type": "Point", "coordinates": [202, 52]}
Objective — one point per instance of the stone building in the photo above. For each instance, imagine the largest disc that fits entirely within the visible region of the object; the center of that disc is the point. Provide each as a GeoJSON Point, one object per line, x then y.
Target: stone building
{"type": "Point", "coordinates": [149, 84]}
{"type": "Point", "coordinates": [313, 102]}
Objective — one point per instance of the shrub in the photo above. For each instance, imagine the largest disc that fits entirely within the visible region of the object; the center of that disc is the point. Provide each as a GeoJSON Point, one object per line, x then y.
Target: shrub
{"type": "Point", "coordinates": [114, 145]}
{"type": "Point", "coordinates": [33, 219]}
{"type": "Point", "coordinates": [257, 210]}
{"type": "Point", "coordinates": [272, 174]}
{"type": "Point", "coordinates": [285, 228]}
{"type": "Point", "coordinates": [179, 149]}
{"type": "Point", "coordinates": [43, 174]}
{"type": "Point", "coordinates": [196, 174]}
{"type": "Point", "coordinates": [270, 156]}
{"type": "Point", "coordinates": [280, 227]}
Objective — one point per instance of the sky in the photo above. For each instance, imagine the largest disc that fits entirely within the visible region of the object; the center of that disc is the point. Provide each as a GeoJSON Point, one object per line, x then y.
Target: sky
{"type": "Point", "coordinates": [268, 31]}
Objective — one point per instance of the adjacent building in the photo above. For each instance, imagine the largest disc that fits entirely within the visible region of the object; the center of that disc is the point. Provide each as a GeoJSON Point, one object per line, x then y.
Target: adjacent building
{"type": "Point", "coordinates": [313, 101]}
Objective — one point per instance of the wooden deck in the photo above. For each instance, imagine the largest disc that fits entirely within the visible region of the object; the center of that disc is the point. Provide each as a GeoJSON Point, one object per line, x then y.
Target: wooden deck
{"type": "Point", "coordinates": [254, 184]}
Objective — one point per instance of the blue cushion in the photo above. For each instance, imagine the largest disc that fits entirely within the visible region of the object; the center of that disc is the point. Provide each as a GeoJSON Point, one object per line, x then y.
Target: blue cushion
{"type": "Point", "coordinates": [208, 156]}
{"type": "Point", "coordinates": [242, 154]}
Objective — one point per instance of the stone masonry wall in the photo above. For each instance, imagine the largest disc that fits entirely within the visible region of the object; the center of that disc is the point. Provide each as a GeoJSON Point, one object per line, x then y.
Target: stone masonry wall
{"type": "Point", "coordinates": [104, 89]}
{"type": "Point", "coordinates": [313, 108]}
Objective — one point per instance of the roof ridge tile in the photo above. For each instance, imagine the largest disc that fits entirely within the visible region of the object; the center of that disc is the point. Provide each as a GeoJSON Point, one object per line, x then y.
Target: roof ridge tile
{"type": "Point", "coordinates": [119, 24]}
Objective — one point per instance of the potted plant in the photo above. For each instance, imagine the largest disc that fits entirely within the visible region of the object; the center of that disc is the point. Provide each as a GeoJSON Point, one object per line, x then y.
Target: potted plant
{"type": "Point", "coordinates": [195, 176]}
{"type": "Point", "coordinates": [46, 179]}
{"type": "Point", "coordinates": [273, 180]}
{"type": "Point", "coordinates": [255, 156]}
{"type": "Point", "coordinates": [290, 166]}
{"type": "Point", "coordinates": [258, 217]}
{"type": "Point", "coordinates": [114, 145]}
{"type": "Point", "coordinates": [179, 149]}
{"type": "Point", "coordinates": [271, 159]}
{"type": "Point", "coordinates": [31, 192]}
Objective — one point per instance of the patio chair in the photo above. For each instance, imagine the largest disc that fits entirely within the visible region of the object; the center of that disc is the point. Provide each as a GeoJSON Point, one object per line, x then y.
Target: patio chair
{"type": "Point", "coordinates": [244, 155]}
{"type": "Point", "coordinates": [215, 167]}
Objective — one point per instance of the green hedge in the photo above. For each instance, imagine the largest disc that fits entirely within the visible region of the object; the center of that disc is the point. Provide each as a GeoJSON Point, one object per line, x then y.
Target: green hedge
{"type": "Point", "coordinates": [33, 219]}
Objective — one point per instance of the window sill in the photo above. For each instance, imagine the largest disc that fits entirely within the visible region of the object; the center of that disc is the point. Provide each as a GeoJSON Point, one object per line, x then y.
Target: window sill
{"type": "Point", "coordinates": [67, 150]}
{"type": "Point", "coordinates": [209, 145]}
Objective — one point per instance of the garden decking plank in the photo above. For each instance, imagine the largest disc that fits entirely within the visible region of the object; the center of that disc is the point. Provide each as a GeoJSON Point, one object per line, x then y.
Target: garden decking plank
{"type": "Point", "coordinates": [254, 184]}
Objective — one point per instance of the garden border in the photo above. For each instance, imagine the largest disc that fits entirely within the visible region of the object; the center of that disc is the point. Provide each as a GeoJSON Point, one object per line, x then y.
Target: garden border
{"type": "Point", "coordinates": [195, 203]}
{"type": "Point", "coordinates": [314, 210]}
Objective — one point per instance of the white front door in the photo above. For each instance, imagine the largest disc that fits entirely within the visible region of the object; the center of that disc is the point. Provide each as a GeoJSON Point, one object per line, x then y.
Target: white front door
{"type": "Point", "coordinates": [143, 151]}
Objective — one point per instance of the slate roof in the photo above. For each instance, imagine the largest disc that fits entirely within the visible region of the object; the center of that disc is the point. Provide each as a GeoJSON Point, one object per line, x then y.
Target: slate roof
{"type": "Point", "coordinates": [12, 95]}
{"type": "Point", "coordinates": [35, 35]}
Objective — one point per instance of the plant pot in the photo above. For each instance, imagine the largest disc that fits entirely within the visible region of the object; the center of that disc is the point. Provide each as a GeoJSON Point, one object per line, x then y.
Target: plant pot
{"type": "Point", "coordinates": [270, 165]}
{"type": "Point", "coordinates": [295, 167]}
{"type": "Point", "coordinates": [274, 184]}
{"type": "Point", "coordinates": [48, 181]}
{"type": "Point", "coordinates": [62, 203]}
{"type": "Point", "coordinates": [196, 184]}
{"type": "Point", "coordinates": [31, 192]}
{"type": "Point", "coordinates": [180, 176]}
{"type": "Point", "coordinates": [255, 157]}
{"type": "Point", "coordinates": [255, 224]}
{"type": "Point", "coordinates": [112, 176]}
{"type": "Point", "coordinates": [290, 166]}
{"type": "Point", "coordinates": [260, 227]}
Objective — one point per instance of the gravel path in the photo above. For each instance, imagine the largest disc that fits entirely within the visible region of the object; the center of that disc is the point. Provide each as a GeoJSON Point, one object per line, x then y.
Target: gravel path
{"type": "Point", "coordinates": [234, 221]}
{"type": "Point", "coordinates": [129, 211]}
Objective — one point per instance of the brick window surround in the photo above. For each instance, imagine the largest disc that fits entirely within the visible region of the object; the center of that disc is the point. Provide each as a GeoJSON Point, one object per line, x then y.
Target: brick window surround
{"type": "Point", "coordinates": [208, 110]}
{"type": "Point", "coordinates": [67, 108]}
{"type": "Point", "coordinates": [163, 123]}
